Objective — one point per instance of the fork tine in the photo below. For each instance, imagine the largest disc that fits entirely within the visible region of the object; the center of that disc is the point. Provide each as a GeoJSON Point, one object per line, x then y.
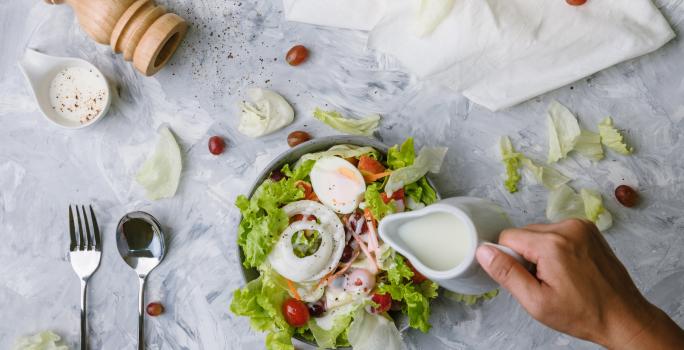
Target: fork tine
{"type": "Point", "coordinates": [81, 243]}
{"type": "Point", "coordinates": [72, 230]}
{"type": "Point", "coordinates": [96, 229]}
{"type": "Point", "coordinates": [89, 240]}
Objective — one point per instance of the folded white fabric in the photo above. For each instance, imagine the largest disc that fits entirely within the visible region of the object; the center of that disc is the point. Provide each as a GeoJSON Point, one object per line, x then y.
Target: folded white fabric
{"type": "Point", "coordinates": [499, 53]}
{"type": "Point", "coordinates": [350, 14]}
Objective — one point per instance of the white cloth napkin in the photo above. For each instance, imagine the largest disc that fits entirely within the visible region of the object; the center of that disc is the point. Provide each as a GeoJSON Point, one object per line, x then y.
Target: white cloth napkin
{"type": "Point", "coordinates": [499, 53]}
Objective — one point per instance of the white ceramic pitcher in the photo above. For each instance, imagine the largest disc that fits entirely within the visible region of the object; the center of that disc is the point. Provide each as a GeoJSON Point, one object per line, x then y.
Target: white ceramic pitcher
{"type": "Point", "coordinates": [484, 221]}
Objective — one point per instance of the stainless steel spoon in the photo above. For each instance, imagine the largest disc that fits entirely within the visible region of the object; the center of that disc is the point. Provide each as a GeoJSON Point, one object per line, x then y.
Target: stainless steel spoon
{"type": "Point", "coordinates": [140, 241]}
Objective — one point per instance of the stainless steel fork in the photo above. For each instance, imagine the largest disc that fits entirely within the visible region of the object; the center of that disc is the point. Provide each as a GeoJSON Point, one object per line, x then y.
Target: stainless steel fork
{"type": "Point", "coordinates": [84, 253]}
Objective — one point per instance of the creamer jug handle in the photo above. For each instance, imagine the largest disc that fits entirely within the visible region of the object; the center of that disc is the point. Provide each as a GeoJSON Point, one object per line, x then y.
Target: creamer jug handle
{"type": "Point", "coordinates": [510, 252]}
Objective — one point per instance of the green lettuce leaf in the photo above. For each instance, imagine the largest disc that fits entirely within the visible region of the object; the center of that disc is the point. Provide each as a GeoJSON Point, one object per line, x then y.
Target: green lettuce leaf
{"type": "Point", "coordinates": [336, 335]}
{"type": "Point", "coordinates": [511, 160]}
{"type": "Point", "coordinates": [160, 174]}
{"type": "Point", "coordinates": [421, 192]}
{"type": "Point", "coordinates": [300, 172]}
{"type": "Point", "coordinates": [428, 160]}
{"type": "Point", "coordinates": [563, 131]}
{"type": "Point", "coordinates": [401, 156]}
{"type": "Point", "coordinates": [261, 300]}
{"type": "Point", "coordinates": [471, 299]}
{"type": "Point", "coordinates": [612, 138]}
{"type": "Point", "coordinates": [415, 298]}
{"type": "Point", "coordinates": [375, 203]}
{"type": "Point", "coordinates": [589, 145]}
{"type": "Point", "coordinates": [565, 203]}
{"type": "Point", "coordinates": [372, 332]}
{"type": "Point", "coordinates": [262, 219]}
{"type": "Point", "coordinates": [547, 176]}
{"type": "Point", "coordinates": [47, 340]}
{"type": "Point", "coordinates": [364, 127]}
{"type": "Point", "coordinates": [342, 151]}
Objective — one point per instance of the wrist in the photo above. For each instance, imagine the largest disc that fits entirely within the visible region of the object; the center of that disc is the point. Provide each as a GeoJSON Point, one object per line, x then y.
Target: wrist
{"type": "Point", "coordinates": [627, 323]}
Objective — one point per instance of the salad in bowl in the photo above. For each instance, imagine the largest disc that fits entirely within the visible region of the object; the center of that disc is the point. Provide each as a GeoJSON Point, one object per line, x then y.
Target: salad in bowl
{"type": "Point", "coordinates": [310, 249]}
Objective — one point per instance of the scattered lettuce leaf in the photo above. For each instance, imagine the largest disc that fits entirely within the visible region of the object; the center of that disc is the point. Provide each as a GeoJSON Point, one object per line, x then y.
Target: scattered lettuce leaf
{"type": "Point", "coordinates": [160, 174]}
{"type": "Point", "coordinates": [46, 340]}
{"type": "Point", "coordinates": [401, 156]}
{"type": "Point", "coordinates": [565, 203]}
{"type": "Point", "coordinates": [374, 201]}
{"type": "Point", "coordinates": [342, 151]}
{"type": "Point", "coordinates": [430, 15]}
{"type": "Point", "coordinates": [262, 218]}
{"type": "Point", "coordinates": [415, 298]}
{"type": "Point", "coordinates": [261, 300]}
{"type": "Point", "coordinates": [547, 176]}
{"type": "Point", "coordinates": [612, 138]}
{"type": "Point", "coordinates": [372, 332]}
{"type": "Point", "coordinates": [563, 131]}
{"type": "Point", "coordinates": [511, 160]}
{"type": "Point", "coordinates": [594, 209]}
{"type": "Point", "coordinates": [267, 112]}
{"type": "Point", "coordinates": [364, 127]}
{"type": "Point", "coordinates": [589, 145]}
{"type": "Point", "coordinates": [471, 299]}
{"type": "Point", "coordinates": [428, 160]}
{"type": "Point", "coordinates": [305, 243]}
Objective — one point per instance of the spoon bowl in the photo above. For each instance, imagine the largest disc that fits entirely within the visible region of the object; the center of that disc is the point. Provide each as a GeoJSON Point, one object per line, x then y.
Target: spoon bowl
{"type": "Point", "coordinates": [140, 241]}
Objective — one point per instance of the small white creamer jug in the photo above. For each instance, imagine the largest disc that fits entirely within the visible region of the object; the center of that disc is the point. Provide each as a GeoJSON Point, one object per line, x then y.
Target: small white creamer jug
{"type": "Point", "coordinates": [481, 222]}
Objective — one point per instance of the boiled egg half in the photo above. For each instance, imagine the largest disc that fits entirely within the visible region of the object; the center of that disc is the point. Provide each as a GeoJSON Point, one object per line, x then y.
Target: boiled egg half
{"type": "Point", "coordinates": [338, 184]}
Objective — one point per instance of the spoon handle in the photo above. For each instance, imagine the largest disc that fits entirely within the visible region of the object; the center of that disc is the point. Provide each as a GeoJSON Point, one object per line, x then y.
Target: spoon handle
{"type": "Point", "coordinates": [141, 314]}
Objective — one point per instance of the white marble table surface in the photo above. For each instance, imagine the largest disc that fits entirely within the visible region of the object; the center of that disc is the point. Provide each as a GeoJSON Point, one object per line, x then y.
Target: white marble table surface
{"type": "Point", "coordinates": [236, 44]}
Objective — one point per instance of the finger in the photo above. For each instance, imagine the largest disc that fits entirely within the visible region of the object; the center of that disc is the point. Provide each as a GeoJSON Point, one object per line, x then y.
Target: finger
{"type": "Point", "coordinates": [524, 242]}
{"type": "Point", "coordinates": [509, 274]}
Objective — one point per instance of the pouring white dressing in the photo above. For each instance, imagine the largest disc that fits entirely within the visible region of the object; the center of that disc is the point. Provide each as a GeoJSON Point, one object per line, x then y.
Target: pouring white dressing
{"type": "Point", "coordinates": [439, 240]}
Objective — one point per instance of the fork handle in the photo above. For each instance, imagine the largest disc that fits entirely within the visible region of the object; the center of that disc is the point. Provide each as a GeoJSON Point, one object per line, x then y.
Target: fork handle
{"type": "Point", "coordinates": [141, 314]}
{"type": "Point", "coordinates": [84, 318]}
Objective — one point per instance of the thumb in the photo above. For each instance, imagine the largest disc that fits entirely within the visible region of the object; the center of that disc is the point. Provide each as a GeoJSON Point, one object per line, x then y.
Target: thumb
{"type": "Point", "coordinates": [508, 273]}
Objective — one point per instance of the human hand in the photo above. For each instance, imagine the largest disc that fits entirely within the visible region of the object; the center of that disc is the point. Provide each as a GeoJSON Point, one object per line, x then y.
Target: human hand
{"type": "Point", "coordinates": [580, 287]}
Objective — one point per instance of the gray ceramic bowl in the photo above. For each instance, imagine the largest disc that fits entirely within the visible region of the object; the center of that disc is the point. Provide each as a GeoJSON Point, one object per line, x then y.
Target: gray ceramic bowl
{"type": "Point", "coordinates": [290, 157]}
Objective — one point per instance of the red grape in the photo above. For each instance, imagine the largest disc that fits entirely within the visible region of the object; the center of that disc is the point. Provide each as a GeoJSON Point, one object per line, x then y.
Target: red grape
{"type": "Point", "coordinates": [155, 309]}
{"type": "Point", "coordinates": [295, 312]}
{"type": "Point", "coordinates": [216, 145]}
{"type": "Point", "coordinates": [297, 55]}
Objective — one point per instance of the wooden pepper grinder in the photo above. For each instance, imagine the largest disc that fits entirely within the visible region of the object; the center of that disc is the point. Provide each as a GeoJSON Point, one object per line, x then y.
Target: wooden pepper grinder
{"type": "Point", "coordinates": [143, 31]}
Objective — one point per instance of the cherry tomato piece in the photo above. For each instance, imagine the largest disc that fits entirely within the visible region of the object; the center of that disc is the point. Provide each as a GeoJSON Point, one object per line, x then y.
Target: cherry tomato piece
{"type": "Point", "coordinates": [576, 2]}
{"type": "Point", "coordinates": [297, 137]}
{"type": "Point", "coordinates": [216, 145]}
{"type": "Point", "coordinates": [295, 312]}
{"type": "Point", "coordinates": [398, 195]}
{"type": "Point", "coordinates": [155, 309]}
{"type": "Point", "coordinates": [627, 196]}
{"type": "Point", "coordinates": [297, 55]}
{"type": "Point", "coordinates": [384, 302]}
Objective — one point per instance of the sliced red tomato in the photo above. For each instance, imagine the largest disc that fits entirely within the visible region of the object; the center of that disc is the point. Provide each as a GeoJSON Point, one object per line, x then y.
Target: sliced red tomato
{"type": "Point", "coordinates": [398, 195]}
{"type": "Point", "coordinates": [295, 312]}
{"type": "Point", "coordinates": [369, 165]}
{"type": "Point", "coordinates": [384, 302]}
{"type": "Point", "coordinates": [417, 276]}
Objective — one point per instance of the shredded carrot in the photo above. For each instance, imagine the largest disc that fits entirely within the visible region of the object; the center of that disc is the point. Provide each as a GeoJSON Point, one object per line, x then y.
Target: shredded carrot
{"type": "Point", "coordinates": [332, 276]}
{"type": "Point", "coordinates": [293, 290]}
{"type": "Point", "coordinates": [370, 178]}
